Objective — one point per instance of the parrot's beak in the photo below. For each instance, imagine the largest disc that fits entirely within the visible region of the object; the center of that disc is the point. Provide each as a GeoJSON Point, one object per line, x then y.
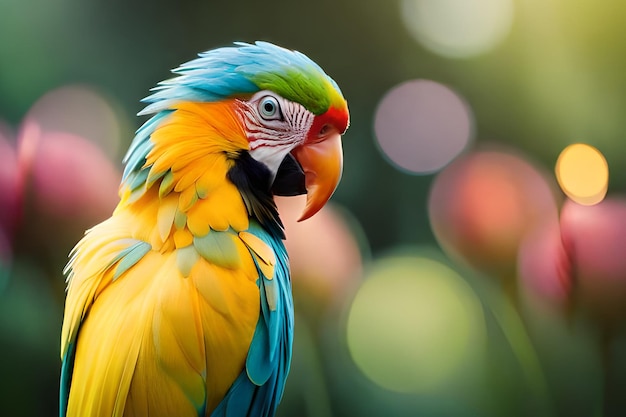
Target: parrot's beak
{"type": "Point", "coordinates": [321, 160]}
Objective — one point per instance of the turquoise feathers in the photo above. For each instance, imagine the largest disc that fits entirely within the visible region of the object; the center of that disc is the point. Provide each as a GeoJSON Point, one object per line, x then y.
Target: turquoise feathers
{"type": "Point", "coordinates": [259, 389]}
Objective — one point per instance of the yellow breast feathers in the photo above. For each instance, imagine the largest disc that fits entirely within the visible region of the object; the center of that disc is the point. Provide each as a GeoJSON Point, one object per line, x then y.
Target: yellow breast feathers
{"type": "Point", "coordinates": [165, 291]}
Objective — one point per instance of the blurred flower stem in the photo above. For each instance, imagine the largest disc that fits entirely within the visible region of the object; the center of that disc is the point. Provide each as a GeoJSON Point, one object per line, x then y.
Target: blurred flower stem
{"type": "Point", "coordinates": [316, 398]}
{"type": "Point", "coordinates": [505, 310]}
{"type": "Point", "coordinates": [610, 405]}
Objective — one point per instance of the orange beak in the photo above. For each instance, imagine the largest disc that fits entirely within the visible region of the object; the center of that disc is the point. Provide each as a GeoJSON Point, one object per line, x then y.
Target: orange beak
{"type": "Point", "coordinates": [322, 163]}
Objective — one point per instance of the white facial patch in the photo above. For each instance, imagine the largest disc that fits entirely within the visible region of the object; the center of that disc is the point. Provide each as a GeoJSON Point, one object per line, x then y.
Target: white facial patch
{"type": "Point", "coordinates": [274, 131]}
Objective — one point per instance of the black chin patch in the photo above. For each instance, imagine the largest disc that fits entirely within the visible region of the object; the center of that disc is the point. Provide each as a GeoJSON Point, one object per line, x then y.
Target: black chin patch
{"type": "Point", "coordinates": [289, 179]}
{"type": "Point", "coordinates": [252, 178]}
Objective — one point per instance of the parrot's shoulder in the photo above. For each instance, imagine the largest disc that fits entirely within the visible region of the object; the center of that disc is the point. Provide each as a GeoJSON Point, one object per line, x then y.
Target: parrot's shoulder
{"type": "Point", "coordinates": [105, 252]}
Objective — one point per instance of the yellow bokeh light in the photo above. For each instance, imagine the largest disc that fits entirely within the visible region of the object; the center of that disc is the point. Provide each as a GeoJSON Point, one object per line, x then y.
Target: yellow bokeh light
{"type": "Point", "coordinates": [583, 173]}
{"type": "Point", "coordinates": [413, 324]}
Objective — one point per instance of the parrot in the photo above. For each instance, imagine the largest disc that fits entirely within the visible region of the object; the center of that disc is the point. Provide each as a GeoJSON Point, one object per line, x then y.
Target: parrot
{"type": "Point", "coordinates": [180, 303]}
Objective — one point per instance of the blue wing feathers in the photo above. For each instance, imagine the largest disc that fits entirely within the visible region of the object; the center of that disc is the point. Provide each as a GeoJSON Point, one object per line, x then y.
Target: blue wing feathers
{"type": "Point", "coordinates": [259, 388]}
{"type": "Point", "coordinates": [66, 378]}
{"type": "Point", "coordinates": [258, 368]}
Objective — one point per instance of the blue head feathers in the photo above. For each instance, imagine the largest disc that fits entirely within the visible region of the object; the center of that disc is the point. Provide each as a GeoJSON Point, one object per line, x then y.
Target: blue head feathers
{"type": "Point", "coordinates": [242, 70]}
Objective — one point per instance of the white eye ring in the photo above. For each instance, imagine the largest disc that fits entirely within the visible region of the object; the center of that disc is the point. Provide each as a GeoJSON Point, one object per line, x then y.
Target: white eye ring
{"type": "Point", "coordinates": [269, 109]}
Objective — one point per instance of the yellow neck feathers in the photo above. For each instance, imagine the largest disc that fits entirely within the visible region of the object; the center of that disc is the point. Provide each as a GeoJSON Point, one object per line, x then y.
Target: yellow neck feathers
{"type": "Point", "coordinates": [187, 190]}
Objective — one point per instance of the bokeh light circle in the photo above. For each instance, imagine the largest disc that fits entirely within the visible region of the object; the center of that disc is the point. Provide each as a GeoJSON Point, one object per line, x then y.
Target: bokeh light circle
{"type": "Point", "coordinates": [82, 111]}
{"type": "Point", "coordinates": [458, 28]}
{"type": "Point", "coordinates": [583, 173]}
{"type": "Point", "coordinates": [324, 253]}
{"type": "Point", "coordinates": [544, 267]}
{"type": "Point", "coordinates": [595, 239]}
{"type": "Point", "coordinates": [69, 176]}
{"type": "Point", "coordinates": [422, 125]}
{"type": "Point", "coordinates": [10, 187]}
{"type": "Point", "coordinates": [413, 323]}
{"type": "Point", "coordinates": [483, 205]}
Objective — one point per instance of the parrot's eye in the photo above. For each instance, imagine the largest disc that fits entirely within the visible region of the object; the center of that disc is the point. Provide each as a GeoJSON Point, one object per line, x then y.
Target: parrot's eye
{"type": "Point", "coordinates": [269, 108]}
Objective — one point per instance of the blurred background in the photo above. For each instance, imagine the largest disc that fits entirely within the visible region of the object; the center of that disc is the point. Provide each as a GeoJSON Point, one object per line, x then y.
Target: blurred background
{"type": "Point", "coordinates": [472, 261]}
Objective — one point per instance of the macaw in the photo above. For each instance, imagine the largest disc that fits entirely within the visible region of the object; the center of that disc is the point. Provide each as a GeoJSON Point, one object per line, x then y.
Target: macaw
{"type": "Point", "coordinates": [180, 303]}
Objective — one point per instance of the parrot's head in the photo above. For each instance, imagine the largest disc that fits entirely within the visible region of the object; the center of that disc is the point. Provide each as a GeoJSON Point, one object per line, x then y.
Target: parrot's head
{"type": "Point", "coordinates": [291, 112]}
